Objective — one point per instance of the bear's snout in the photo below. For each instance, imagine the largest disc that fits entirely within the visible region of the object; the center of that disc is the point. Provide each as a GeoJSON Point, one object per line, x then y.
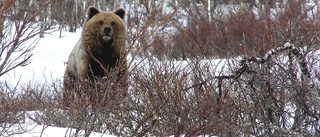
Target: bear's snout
{"type": "Point", "coordinates": [107, 31]}
{"type": "Point", "coordinates": [107, 34]}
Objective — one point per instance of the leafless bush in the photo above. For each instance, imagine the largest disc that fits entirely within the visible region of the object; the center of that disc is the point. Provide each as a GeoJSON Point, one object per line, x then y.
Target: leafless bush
{"type": "Point", "coordinates": [19, 33]}
{"type": "Point", "coordinates": [254, 96]}
{"type": "Point", "coordinates": [269, 91]}
{"type": "Point", "coordinates": [20, 103]}
{"type": "Point", "coordinates": [272, 89]}
{"type": "Point", "coordinates": [241, 31]}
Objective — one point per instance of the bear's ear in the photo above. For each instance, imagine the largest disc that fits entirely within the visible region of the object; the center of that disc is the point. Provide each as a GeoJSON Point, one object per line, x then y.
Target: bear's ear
{"type": "Point", "coordinates": [120, 12]}
{"type": "Point", "coordinates": [92, 11]}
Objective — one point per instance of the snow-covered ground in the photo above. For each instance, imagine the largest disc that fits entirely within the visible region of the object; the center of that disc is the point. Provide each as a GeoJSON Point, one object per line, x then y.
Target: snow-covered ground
{"type": "Point", "coordinates": [35, 130]}
{"type": "Point", "coordinates": [48, 62]}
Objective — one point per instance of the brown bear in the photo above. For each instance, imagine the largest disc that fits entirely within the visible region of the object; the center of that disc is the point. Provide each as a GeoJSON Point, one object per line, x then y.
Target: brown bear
{"type": "Point", "coordinates": [100, 49]}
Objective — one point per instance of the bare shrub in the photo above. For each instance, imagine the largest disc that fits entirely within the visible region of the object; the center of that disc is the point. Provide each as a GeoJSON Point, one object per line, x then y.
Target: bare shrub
{"type": "Point", "coordinates": [264, 93]}
{"type": "Point", "coordinates": [162, 105]}
{"type": "Point", "coordinates": [272, 89]}
{"type": "Point", "coordinates": [259, 94]}
{"type": "Point", "coordinates": [19, 33]}
{"type": "Point", "coordinates": [240, 32]}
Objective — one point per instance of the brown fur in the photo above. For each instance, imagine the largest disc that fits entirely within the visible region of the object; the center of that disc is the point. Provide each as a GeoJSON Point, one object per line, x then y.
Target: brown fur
{"type": "Point", "coordinates": [101, 47]}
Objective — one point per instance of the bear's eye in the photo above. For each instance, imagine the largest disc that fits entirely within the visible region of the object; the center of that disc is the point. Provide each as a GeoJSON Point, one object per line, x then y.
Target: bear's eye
{"type": "Point", "coordinates": [101, 22]}
{"type": "Point", "coordinates": [112, 23]}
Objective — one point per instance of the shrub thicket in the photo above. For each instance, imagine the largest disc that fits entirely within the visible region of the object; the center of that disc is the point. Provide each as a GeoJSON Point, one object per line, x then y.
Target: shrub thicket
{"type": "Point", "coordinates": [266, 82]}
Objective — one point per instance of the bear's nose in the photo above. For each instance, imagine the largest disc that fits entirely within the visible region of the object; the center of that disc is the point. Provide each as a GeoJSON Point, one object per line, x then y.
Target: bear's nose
{"type": "Point", "coordinates": [107, 30]}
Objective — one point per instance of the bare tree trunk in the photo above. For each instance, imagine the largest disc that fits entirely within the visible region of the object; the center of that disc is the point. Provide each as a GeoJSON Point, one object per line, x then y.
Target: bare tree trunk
{"type": "Point", "coordinates": [103, 5]}
{"type": "Point", "coordinates": [76, 14]}
{"type": "Point", "coordinates": [1, 29]}
{"type": "Point", "coordinates": [84, 5]}
{"type": "Point", "coordinates": [209, 10]}
{"type": "Point", "coordinates": [176, 3]}
{"type": "Point", "coordinates": [164, 7]}
{"type": "Point", "coordinates": [150, 5]}
{"type": "Point", "coordinates": [72, 23]}
{"type": "Point", "coordinates": [115, 5]}
{"type": "Point", "coordinates": [95, 3]}
{"type": "Point", "coordinates": [42, 24]}
{"type": "Point", "coordinates": [259, 6]}
{"type": "Point", "coordinates": [50, 14]}
{"type": "Point", "coordinates": [61, 27]}
{"type": "Point", "coordinates": [317, 6]}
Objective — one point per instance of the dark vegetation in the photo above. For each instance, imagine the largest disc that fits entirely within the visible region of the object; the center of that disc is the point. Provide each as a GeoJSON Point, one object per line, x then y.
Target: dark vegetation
{"type": "Point", "coordinates": [252, 71]}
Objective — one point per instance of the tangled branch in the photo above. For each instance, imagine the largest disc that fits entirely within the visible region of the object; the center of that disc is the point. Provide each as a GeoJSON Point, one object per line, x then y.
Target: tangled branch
{"type": "Point", "coordinates": [244, 68]}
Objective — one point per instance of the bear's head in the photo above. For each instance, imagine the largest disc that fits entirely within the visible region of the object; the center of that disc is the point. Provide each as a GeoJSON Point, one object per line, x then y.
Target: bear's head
{"type": "Point", "coordinates": [106, 26]}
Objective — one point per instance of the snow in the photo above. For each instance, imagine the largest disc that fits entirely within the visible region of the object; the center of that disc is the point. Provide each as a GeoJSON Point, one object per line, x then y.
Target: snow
{"type": "Point", "coordinates": [48, 62]}
{"type": "Point", "coordinates": [35, 130]}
